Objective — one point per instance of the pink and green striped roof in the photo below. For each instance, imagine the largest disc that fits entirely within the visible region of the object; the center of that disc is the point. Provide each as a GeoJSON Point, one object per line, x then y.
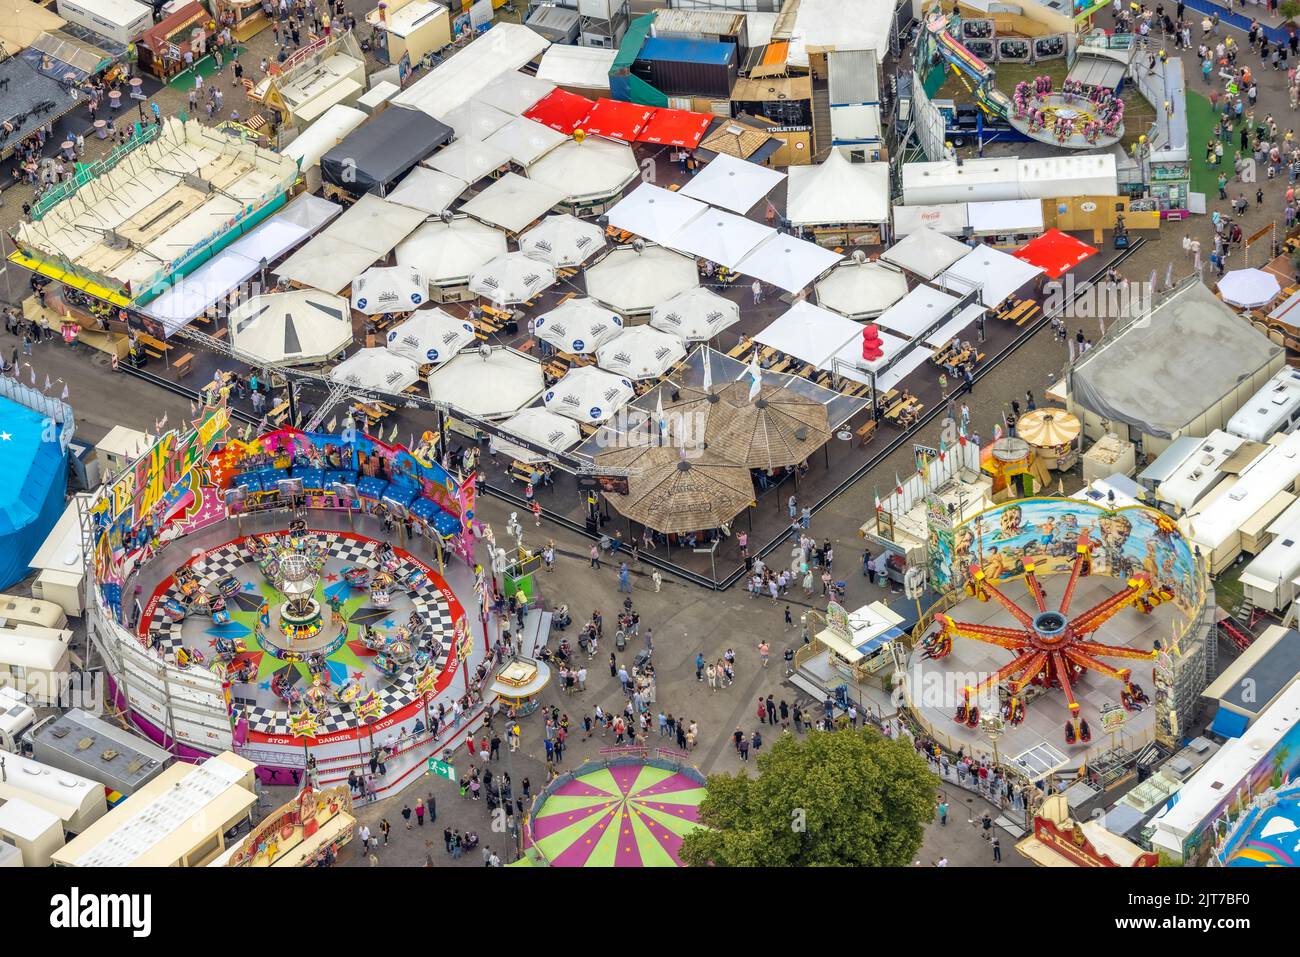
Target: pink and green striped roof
{"type": "Point", "coordinates": [627, 815]}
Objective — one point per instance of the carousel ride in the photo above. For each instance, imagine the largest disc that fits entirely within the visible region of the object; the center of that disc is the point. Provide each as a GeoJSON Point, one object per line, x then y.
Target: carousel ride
{"type": "Point", "coordinates": [1052, 648]}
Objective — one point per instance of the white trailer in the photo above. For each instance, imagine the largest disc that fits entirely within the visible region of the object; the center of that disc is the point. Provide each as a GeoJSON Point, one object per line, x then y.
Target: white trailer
{"type": "Point", "coordinates": [119, 20]}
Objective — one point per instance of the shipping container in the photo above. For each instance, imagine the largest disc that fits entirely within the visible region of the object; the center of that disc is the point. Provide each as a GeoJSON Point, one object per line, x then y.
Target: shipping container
{"type": "Point", "coordinates": [682, 67]}
{"type": "Point", "coordinates": [712, 25]}
{"type": "Point", "coordinates": [555, 24]}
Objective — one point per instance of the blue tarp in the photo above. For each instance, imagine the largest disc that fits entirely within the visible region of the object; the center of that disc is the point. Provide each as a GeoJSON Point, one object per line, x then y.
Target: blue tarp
{"type": "Point", "coordinates": [32, 487]}
{"type": "Point", "coordinates": [1229, 724]}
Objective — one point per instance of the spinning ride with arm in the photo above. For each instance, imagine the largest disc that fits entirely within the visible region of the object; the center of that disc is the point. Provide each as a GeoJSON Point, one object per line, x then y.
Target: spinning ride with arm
{"type": "Point", "coordinates": [1051, 648]}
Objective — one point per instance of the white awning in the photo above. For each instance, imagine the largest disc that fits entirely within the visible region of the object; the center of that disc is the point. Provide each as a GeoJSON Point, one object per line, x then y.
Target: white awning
{"type": "Point", "coordinates": [635, 282]}
{"type": "Point", "coordinates": [917, 311]}
{"type": "Point", "coordinates": [525, 141]}
{"type": "Point", "coordinates": [512, 202]}
{"type": "Point", "coordinates": [955, 325]}
{"type": "Point", "coordinates": [514, 92]}
{"type": "Point", "coordinates": [861, 290]}
{"type": "Point", "coordinates": [586, 68]}
{"type": "Point", "coordinates": [468, 159]}
{"type": "Point", "coordinates": [925, 252]}
{"type": "Point", "coordinates": [653, 212]}
{"type": "Point", "coordinates": [475, 121]}
{"type": "Point", "coordinates": [594, 169]}
{"type": "Point", "coordinates": [810, 333]}
{"type": "Point", "coordinates": [540, 427]}
{"type": "Point", "coordinates": [428, 190]}
{"type": "Point", "coordinates": [366, 232]}
{"type": "Point", "coordinates": [430, 335]}
{"type": "Point", "coordinates": [488, 384]}
{"type": "Point", "coordinates": [732, 183]}
{"type": "Point", "coordinates": [838, 191]}
{"type": "Point", "coordinates": [787, 262]}
{"type": "Point", "coordinates": [376, 369]}
{"type": "Point", "coordinates": [1005, 216]}
{"type": "Point", "coordinates": [448, 252]}
{"type": "Point", "coordinates": [323, 135]}
{"type": "Point", "coordinates": [951, 219]}
{"type": "Point", "coordinates": [998, 274]}
{"type": "Point", "coordinates": [720, 237]}
{"type": "Point", "coordinates": [300, 326]}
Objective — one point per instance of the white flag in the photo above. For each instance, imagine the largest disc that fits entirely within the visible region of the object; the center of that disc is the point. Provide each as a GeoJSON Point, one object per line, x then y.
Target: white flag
{"type": "Point", "coordinates": [65, 392]}
{"type": "Point", "coordinates": [659, 413]}
{"type": "Point", "coordinates": [164, 422]}
{"type": "Point", "coordinates": [48, 383]}
{"type": "Point", "coordinates": [756, 371]}
{"type": "Point", "coordinates": [708, 372]}
{"type": "Point", "coordinates": [33, 376]}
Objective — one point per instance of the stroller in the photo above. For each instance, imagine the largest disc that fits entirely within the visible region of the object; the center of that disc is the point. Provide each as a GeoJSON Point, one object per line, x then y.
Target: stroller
{"type": "Point", "coordinates": [641, 660]}
{"type": "Point", "coordinates": [469, 841]}
{"type": "Point", "coordinates": [560, 618]}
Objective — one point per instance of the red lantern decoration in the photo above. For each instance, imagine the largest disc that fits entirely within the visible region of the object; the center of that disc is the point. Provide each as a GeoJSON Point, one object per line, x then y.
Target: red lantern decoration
{"type": "Point", "coordinates": [873, 347]}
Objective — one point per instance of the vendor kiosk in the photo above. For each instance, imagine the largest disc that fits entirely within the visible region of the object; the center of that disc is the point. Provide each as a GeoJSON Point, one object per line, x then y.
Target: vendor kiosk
{"type": "Point", "coordinates": [519, 685]}
{"type": "Point", "coordinates": [859, 645]}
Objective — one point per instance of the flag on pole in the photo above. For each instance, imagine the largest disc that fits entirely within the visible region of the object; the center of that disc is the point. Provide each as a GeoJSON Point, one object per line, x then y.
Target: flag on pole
{"type": "Point", "coordinates": [943, 449]}
{"type": "Point", "coordinates": [65, 392]}
{"type": "Point", "coordinates": [708, 372]}
{"type": "Point", "coordinates": [659, 413]}
{"type": "Point", "coordinates": [193, 409]}
{"type": "Point", "coordinates": [164, 422]}
{"type": "Point", "coordinates": [756, 371]}
{"type": "Point", "coordinates": [332, 424]}
{"type": "Point", "coordinates": [48, 383]}
{"type": "Point", "coordinates": [248, 431]}
{"type": "Point", "coordinates": [898, 485]}
{"type": "Point", "coordinates": [392, 436]}
{"type": "Point", "coordinates": [33, 374]}
{"type": "Point", "coordinates": [879, 505]}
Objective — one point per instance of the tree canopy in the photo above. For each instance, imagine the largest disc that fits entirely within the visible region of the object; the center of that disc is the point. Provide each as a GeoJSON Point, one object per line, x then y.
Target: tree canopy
{"type": "Point", "coordinates": [840, 798]}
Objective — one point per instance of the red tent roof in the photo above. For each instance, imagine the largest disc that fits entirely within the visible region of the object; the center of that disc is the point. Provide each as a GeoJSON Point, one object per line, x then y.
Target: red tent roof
{"type": "Point", "coordinates": [560, 110]}
{"type": "Point", "coordinates": [617, 120]}
{"type": "Point", "coordinates": [676, 128]}
{"type": "Point", "coordinates": [1055, 252]}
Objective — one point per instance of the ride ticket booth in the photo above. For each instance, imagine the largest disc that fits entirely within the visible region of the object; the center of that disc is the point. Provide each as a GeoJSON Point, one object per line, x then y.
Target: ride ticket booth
{"type": "Point", "coordinates": [520, 683]}
{"type": "Point", "coordinates": [859, 644]}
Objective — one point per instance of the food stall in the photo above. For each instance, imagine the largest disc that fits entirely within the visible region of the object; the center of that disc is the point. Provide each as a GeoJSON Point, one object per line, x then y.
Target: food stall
{"type": "Point", "coordinates": [1052, 434]}
{"type": "Point", "coordinates": [161, 49]}
{"type": "Point", "coordinates": [858, 644]}
{"type": "Point", "coordinates": [520, 683]}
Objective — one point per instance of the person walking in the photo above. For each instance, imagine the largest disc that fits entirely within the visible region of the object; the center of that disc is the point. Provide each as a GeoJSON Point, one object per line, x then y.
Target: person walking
{"type": "Point", "coordinates": [764, 650]}
{"type": "Point", "coordinates": [943, 813]}
{"type": "Point", "coordinates": [364, 834]}
{"type": "Point", "coordinates": [406, 815]}
{"type": "Point", "coordinates": [384, 828]}
{"type": "Point", "coordinates": [757, 289]}
{"type": "Point", "coordinates": [997, 851]}
{"type": "Point", "coordinates": [419, 811]}
{"type": "Point", "coordinates": [657, 579]}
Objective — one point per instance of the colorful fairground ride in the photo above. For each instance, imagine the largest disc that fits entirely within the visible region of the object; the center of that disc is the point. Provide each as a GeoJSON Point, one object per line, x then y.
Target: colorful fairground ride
{"type": "Point", "coordinates": [1080, 596]}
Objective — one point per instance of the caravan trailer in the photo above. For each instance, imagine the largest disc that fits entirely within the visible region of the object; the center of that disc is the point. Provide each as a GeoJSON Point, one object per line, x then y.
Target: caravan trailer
{"type": "Point", "coordinates": [80, 743]}
{"type": "Point", "coordinates": [1272, 580]}
{"type": "Point", "coordinates": [119, 20]}
{"type": "Point", "coordinates": [1273, 409]}
{"type": "Point", "coordinates": [78, 802]}
{"type": "Point", "coordinates": [1204, 469]}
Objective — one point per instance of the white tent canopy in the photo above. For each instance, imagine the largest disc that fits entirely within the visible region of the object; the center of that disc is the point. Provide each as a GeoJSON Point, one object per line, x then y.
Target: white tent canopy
{"type": "Point", "coordinates": [579, 326]}
{"type": "Point", "coordinates": [487, 383]}
{"type": "Point", "coordinates": [635, 282]}
{"type": "Point", "coordinates": [589, 394]}
{"type": "Point", "coordinates": [925, 252]}
{"type": "Point", "coordinates": [732, 183]}
{"type": "Point", "coordinates": [641, 353]}
{"type": "Point", "coordinates": [301, 326]}
{"type": "Point", "coordinates": [511, 278]}
{"type": "Point", "coordinates": [430, 335]}
{"type": "Point", "coordinates": [838, 191]}
{"type": "Point", "coordinates": [428, 190]}
{"type": "Point", "coordinates": [467, 159]}
{"type": "Point", "coordinates": [540, 427]}
{"type": "Point", "coordinates": [917, 311]}
{"type": "Point", "coordinates": [514, 92]}
{"type": "Point", "coordinates": [591, 170]}
{"type": "Point", "coordinates": [473, 120]}
{"type": "Point", "coordinates": [810, 333]}
{"type": "Point", "coordinates": [720, 237]}
{"type": "Point", "coordinates": [998, 274]}
{"type": "Point", "coordinates": [525, 141]}
{"type": "Point", "coordinates": [448, 252]}
{"type": "Point", "coordinates": [376, 369]}
{"type": "Point", "coordinates": [949, 219]}
{"type": "Point", "coordinates": [848, 362]}
{"type": "Point", "coordinates": [389, 289]}
{"type": "Point", "coordinates": [861, 290]}
{"type": "Point", "coordinates": [787, 262]}
{"type": "Point", "coordinates": [1249, 288]}
{"type": "Point", "coordinates": [563, 240]}
{"type": "Point", "coordinates": [695, 315]}
{"type": "Point", "coordinates": [955, 325]}
{"type": "Point", "coordinates": [512, 202]}
{"type": "Point", "coordinates": [583, 68]}
{"type": "Point", "coordinates": [653, 212]}
{"type": "Point", "coordinates": [365, 232]}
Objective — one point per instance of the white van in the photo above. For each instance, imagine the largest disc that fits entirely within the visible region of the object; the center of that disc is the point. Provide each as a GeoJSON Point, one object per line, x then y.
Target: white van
{"type": "Point", "coordinates": [1273, 409]}
{"type": "Point", "coordinates": [118, 20]}
{"type": "Point", "coordinates": [16, 717]}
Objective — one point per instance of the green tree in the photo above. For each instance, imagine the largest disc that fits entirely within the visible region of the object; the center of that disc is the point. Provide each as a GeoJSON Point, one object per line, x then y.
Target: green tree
{"type": "Point", "coordinates": [839, 798]}
{"type": "Point", "coordinates": [1289, 9]}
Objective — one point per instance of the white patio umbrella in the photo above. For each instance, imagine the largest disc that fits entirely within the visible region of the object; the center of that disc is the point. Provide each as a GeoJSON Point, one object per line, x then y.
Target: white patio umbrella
{"type": "Point", "coordinates": [539, 427]}
{"type": "Point", "coordinates": [389, 289]}
{"type": "Point", "coordinates": [696, 315]}
{"type": "Point", "coordinates": [589, 394]}
{"type": "Point", "coordinates": [563, 240]}
{"type": "Point", "coordinates": [641, 353]}
{"type": "Point", "coordinates": [430, 335]}
{"type": "Point", "coordinates": [579, 326]}
{"type": "Point", "coordinates": [1249, 288]}
{"type": "Point", "coordinates": [376, 369]}
{"type": "Point", "coordinates": [511, 278]}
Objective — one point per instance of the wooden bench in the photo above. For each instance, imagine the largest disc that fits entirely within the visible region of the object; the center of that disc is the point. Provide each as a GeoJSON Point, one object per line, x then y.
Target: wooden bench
{"type": "Point", "coordinates": [1028, 314]}
{"type": "Point", "coordinates": [865, 432]}
{"type": "Point", "coordinates": [278, 414]}
{"type": "Point", "coordinates": [221, 333]}
{"type": "Point", "coordinates": [739, 349]}
{"type": "Point", "coordinates": [521, 472]}
{"type": "Point", "coordinates": [182, 365]}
